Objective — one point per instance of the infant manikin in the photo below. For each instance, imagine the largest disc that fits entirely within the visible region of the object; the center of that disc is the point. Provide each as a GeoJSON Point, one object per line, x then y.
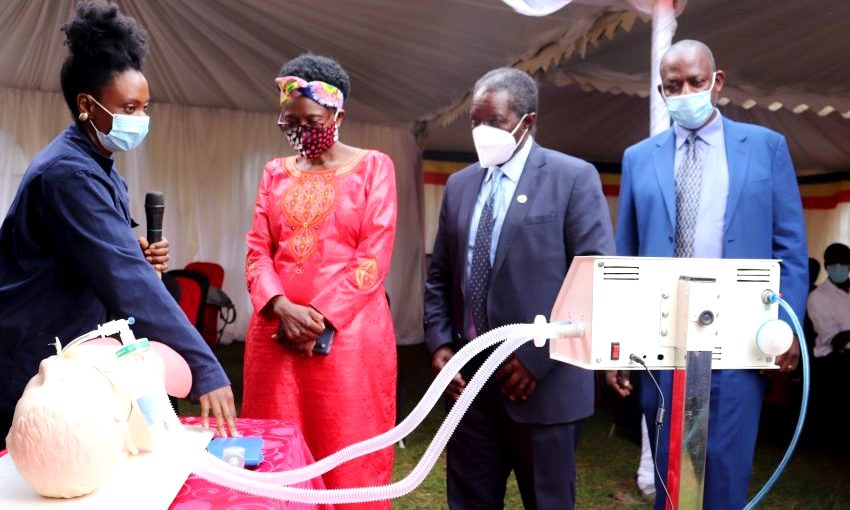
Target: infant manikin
{"type": "Point", "coordinates": [78, 417]}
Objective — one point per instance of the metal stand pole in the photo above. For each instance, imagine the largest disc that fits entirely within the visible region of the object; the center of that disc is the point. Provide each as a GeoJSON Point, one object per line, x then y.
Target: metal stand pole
{"type": "Point", "coordinates": [695, 333]}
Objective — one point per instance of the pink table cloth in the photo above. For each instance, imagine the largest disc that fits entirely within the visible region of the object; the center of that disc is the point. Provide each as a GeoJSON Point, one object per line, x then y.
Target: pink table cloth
{"type": "Point", "coordinates": [283, 448]}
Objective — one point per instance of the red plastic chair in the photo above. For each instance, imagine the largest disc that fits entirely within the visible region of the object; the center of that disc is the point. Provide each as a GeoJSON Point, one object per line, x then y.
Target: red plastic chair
{"type": "Point", "coordinates": [193, 294]}
{"type": "Point", "coordinates": [215, 276]}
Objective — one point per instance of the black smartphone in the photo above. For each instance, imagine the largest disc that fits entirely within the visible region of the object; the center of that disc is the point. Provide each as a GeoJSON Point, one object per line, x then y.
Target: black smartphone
{"type": "Point", "coordinates": [325, 340]}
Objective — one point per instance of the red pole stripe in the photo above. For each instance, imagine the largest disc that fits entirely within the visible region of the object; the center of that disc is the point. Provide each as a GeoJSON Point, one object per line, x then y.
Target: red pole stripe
{"type": "Point", "coordinates": [677, 414]}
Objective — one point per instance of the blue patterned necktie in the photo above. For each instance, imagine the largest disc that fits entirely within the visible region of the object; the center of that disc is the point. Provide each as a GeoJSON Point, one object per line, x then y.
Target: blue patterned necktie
{"type": "Point", "coordinates": [688, 187]}
{"type": "Point", "coordinates": [479, 274]}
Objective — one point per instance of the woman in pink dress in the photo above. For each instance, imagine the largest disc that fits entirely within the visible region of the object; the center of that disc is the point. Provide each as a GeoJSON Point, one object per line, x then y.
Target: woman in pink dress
{"type": "Point", "coordinates": [318, 253]}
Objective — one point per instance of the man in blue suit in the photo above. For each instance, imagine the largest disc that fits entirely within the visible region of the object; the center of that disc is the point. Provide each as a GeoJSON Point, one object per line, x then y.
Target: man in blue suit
{"type": "Point", "coordinates": [710, 187]}
{"type": "Point", "coordinates": [509, 227]}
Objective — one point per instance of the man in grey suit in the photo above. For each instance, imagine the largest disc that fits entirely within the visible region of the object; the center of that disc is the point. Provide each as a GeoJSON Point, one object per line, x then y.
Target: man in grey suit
{"type": "Point", "coordinates": [509, 227]}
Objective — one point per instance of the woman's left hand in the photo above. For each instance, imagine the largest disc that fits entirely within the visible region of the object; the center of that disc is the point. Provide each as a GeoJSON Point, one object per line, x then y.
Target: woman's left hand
{"type": "Point", "coordinates": [156, 253]}
{"type": "Point", "coordinates": [302, 348]}
{"type": "Point", "coordinates": [299, 325]}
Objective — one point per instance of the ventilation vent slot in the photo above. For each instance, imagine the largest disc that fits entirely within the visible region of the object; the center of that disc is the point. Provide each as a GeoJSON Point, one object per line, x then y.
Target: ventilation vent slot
{"type": "Point", "coordinates": [621, 273]}
{"type": "Point", "coordinates": [761, 275]}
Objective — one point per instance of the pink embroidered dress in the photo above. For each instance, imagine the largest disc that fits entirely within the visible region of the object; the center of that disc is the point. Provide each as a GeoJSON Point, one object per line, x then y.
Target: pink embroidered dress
{"type": "Point", "coordinates": [325, 239]}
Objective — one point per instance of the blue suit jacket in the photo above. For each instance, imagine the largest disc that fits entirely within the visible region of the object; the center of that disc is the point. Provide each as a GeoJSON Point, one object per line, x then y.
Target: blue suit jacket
{"type": "Point", "coordinates": [764, 214]}
{"type": "Point", "coordinates": [565, 215]}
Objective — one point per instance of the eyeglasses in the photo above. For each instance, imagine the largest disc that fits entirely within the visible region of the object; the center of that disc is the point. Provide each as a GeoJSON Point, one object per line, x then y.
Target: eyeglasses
{"type": "Point", "coordinates": [292, 126]}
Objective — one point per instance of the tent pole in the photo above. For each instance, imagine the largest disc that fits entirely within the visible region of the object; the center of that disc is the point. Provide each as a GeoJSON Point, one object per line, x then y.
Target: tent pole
{"type": "Point", "coordinates": [663, 28]}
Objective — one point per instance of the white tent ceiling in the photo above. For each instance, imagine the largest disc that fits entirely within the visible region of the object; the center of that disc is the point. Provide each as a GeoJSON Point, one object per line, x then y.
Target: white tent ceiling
{"type": "Point", "coordinates": [796, 54]}
{"type": "Point", "coordinates": [406, 58]}
{"type": "Point", "coordinates": [411, 60]}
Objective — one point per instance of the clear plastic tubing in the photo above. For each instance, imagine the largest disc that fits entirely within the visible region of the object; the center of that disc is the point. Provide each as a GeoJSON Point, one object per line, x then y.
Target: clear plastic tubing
{"type": "Point", "coordinates": [274, 485]}
{"type": "Point", "coordinates": [804, 404]}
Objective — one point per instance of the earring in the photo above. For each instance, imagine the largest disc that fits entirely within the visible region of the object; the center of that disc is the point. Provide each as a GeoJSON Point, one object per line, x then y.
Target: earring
{"type": "Point", "coordinates": [84, 116]}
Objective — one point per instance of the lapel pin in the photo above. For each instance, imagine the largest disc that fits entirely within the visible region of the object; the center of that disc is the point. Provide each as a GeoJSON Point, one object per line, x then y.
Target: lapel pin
{"type": "Point", "coordinates": [522, 199]}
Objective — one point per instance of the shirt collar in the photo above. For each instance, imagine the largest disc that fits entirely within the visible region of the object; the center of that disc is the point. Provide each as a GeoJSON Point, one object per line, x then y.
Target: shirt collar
{"type": "Point", "coordinates": [512, 168]}
{"type": "Point", "coordinates": [79, 137]}
{"type": "Point", "coordinates": [833, 287]}
{"type": "Point", "coordinates": [711, 133]}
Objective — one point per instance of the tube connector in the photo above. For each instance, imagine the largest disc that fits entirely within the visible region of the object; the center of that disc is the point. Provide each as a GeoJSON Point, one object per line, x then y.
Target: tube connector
{"type": "Point", "coordinates": [769, 297]}
{"type": "Point", "coordinates": [569, 329]}
{"type": "Point", "coordinates": [541, 331]}
{"type": "Point", "coordinates": [546, 330]}
{"type": "Point", "coordinates": [121, 327]}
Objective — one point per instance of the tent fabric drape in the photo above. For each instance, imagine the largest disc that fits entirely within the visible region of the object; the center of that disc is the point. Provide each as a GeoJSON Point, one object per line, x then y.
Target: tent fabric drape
{"type": "Point", "coordinates": [596, 105]}
{"type": "Point", "coordinates": [209, 163]}
{"type": "Point", "coordinates": [612, 16]}
{"type": "Point", "coordinates": [547, 7]}
{"type": "Point", "coordinates": [593, 77]}
{"type": "Point", "coordinates": [424, 56]}
{"type": "Point", "coordinates": [406, 59]}
{"type": "Point", "coordinates": [574, 41]}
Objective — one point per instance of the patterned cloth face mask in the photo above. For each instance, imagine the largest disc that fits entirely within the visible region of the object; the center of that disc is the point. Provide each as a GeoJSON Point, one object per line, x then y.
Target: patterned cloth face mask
{"type": "Point", "coordinates": [311, 141]}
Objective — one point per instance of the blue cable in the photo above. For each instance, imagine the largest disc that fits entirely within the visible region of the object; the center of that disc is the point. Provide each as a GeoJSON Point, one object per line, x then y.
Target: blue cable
{"type": "Point", "coordinates": [803, 406]}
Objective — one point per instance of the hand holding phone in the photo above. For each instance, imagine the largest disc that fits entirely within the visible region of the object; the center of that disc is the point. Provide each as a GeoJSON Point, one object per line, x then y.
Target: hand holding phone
{"type": "Point", "coordinates": [298, 323]}
{"type": "Point", "coordinates": [321, 346]}
{"type": "Point", "coordinates": [325, 340]}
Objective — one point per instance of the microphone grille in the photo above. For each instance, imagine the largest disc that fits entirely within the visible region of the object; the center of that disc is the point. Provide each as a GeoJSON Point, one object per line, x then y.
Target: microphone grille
{"type": "Point", "coordinates": [154, 199]}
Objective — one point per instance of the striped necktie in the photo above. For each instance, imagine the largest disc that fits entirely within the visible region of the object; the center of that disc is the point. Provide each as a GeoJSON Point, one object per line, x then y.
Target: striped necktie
{"type": "Point", "coordinates": [479, 274]}
{"type": "Point", "coordinates": [688, 187]}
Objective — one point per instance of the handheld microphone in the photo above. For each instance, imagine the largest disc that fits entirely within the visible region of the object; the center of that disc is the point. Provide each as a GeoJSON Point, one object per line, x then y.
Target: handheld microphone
{"type": "Point", "coordinates": [154, 211]}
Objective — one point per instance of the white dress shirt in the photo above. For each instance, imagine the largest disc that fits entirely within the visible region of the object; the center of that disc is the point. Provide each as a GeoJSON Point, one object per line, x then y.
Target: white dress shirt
{"type": "Point", "coordinates": [829, 309]}
{"type": "Point", "coordinates": [511, 171]}
{"type": "Point", "coordinates": [711, 217]}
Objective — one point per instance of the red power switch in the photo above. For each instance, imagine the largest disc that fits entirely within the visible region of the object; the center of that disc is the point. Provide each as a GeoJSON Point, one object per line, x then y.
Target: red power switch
{"type": "Point", "coordinates": [615, 351]}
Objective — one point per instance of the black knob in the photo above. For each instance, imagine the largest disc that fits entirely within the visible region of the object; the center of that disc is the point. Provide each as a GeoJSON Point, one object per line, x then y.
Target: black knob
{"type": "Point", "coordinates": [706, 317]}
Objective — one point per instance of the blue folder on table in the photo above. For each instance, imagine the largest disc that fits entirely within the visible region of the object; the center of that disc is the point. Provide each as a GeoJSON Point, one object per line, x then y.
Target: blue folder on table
{"type": "Point", "coordinates": [253, 448]}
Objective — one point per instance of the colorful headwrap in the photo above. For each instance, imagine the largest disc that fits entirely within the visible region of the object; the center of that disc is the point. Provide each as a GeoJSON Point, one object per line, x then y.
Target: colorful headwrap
{"type": "Point", "coordinates": [323, 93]}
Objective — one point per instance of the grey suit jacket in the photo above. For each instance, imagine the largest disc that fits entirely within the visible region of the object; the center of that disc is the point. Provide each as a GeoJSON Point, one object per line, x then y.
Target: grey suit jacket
{"type": "Point", "coordinates": [565, 215]}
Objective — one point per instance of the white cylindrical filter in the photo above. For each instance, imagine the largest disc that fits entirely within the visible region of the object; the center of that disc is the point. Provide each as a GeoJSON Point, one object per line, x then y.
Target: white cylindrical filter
{"type": "Point", "coordinates": [774, 337]}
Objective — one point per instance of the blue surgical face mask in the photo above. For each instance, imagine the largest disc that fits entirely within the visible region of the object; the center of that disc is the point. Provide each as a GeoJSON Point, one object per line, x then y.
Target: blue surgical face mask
{"type": "Point", "coordinates": [127, 133]}
{"type": "Point", "coordinates": [691, 111]}
{"type": "Point", "coordinates": [838, 273]}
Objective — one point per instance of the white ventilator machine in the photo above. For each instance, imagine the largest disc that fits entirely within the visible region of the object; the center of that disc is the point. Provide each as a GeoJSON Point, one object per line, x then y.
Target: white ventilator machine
{"type": "Point", "coordinates": [612, 313]}
{"type": "Point", "coordinates": [662, 313]}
